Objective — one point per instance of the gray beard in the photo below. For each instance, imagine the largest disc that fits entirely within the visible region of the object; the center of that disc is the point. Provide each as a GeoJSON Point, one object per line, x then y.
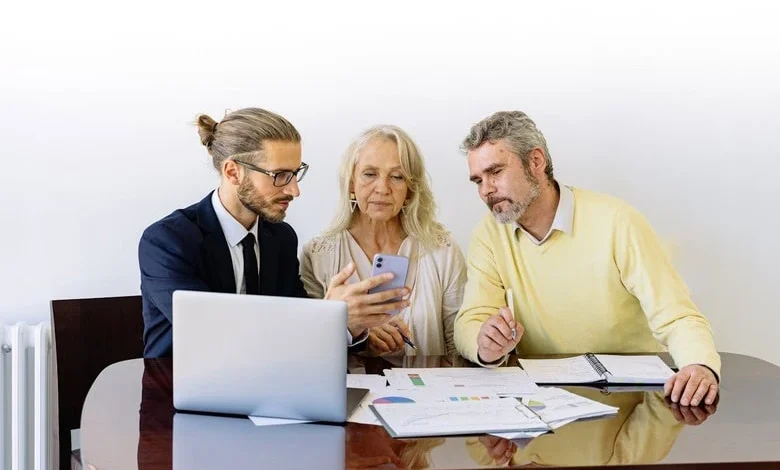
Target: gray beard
{"type": "Point", "coordinates": [516, 209]}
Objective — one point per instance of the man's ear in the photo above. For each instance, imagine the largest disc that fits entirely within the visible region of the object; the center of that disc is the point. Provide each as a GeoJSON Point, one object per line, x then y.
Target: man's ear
{"type": "Point", "coordinates": [232, 172]}
{"type": "Point", "coordinates": [537, 161]}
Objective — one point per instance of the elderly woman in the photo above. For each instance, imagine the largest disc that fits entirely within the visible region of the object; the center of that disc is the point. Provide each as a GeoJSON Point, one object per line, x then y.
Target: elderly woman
{"type": "Point", "coordinates": [387, 207]}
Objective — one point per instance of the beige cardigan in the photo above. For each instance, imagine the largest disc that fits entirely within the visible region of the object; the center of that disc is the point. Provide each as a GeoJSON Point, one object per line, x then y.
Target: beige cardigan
{"type": "Point", "coordinates": [436, 278]}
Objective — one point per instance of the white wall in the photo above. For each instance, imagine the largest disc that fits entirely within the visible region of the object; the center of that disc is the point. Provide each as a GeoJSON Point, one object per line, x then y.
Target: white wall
{"type": "Point", "coordinates": [672, 106]}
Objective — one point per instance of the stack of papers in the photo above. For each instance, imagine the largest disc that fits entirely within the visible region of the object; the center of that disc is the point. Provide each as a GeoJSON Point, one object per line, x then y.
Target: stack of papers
{"type": "Point", "coordinates": [392, 395]}
{"type": "Point", "coordinates": [558, 407]}
{"type": "Point", "coordinates": [460, 401]}
{"type": "Point", "coordinates": [504, 402]}
{"type": "Point", "coordinates": [366, 381]}
{"type": "Point", "coordinates": [457, 418]}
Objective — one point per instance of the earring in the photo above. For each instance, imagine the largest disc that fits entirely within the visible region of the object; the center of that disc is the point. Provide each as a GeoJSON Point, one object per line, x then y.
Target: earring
{"type": "Point", "coordinates": [352, 202]}
{"type": "Point", "coordinates": [403, 208]}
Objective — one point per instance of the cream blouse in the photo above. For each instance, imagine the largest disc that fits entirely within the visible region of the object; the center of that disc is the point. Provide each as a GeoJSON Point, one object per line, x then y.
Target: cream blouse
{"type": "Point", "coordinates": [436, 278]}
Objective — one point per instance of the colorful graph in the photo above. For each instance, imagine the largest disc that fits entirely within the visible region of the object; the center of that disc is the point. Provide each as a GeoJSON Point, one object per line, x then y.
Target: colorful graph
{"type": "Point", "coordinates": [416, 380]}
{"type": "Point", "coordinates": [535, 405]}
{"type": "Point", "coordinates": [393, 400]}
{"type": "Point", "coordinates": [468, 398]}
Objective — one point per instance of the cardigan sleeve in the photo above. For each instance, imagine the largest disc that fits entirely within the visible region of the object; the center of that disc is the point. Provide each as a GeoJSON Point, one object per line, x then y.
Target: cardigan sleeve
{"type": "Point", "coordinates": [314, 286]}
{"type": "Point", "coordinates": [453, 282]}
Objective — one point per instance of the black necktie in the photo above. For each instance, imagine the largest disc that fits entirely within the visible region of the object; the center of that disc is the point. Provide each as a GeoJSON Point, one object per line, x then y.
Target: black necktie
{"type": "Point", "coordinates": [250, 264]}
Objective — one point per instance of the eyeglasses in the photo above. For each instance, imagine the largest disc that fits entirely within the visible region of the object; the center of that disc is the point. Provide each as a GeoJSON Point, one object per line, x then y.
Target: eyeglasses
{"type": "Point", "coordinates": [281, 177]}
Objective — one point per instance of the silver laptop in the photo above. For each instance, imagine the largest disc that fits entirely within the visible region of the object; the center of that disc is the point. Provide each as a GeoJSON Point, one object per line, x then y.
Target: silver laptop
{"type": "Point", "coordinates": [258, 355]}
{"type": "Point", "coordinates": [209, 442]}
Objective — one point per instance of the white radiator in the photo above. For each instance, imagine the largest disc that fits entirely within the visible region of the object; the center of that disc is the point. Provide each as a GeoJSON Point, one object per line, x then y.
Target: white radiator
{"type": "Point", "coordinates": [25, 371]}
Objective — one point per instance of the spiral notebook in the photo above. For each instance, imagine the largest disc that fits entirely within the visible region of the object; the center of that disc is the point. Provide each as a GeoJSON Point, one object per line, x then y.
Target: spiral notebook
{"type": "Point", "coordinates": [598, 368]}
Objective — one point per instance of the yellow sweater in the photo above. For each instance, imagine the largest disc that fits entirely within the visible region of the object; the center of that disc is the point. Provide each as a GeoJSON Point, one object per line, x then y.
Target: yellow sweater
{"type": "Point", "coordinates": [607, 287]}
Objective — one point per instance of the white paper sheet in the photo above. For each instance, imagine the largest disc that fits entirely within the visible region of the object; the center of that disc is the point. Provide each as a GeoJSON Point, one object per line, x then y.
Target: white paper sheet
{"type": "Point", "coordinates": [363, 414]}
{"type": "Point", "coordinates": [461, 417]}
{"type": "Point", "coordinates": [530, 435]}
{"type": "Point", "coordinates": [502, 380]}
{"type": "Point", "coordinates": [555, 404]}
{"type": "Point", "coordinates": [635, 368]}
{"type": "Point", "coordinates": [264, 421]}
{"type": "Point", "coordinates": [640, 369]}
{"type": "Point", "coordinates": [369, 381]}
{"type": "Point", "coordinates": [558, 407]}
{"type": "Point", "coordinates": [566, 370]}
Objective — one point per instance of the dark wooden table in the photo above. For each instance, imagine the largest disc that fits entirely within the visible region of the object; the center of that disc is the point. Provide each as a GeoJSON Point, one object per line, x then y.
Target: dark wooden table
{"type": "Point", "coordinates": [129, 422]}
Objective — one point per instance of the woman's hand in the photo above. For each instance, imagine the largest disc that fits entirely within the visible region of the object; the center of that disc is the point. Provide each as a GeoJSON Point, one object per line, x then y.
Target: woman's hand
{"type": "Point", "coordinates": [386, 338]}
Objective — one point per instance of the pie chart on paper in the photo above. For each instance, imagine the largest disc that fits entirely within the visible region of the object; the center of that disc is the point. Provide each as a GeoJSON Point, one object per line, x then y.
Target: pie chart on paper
{"type": "Point", "coordinates": [392, 400]}
{"type": "Point", "coordinates": [536, 405]}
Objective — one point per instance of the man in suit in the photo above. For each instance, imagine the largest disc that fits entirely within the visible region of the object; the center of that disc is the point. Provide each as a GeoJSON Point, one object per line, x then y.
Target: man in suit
{"type": "Point", "coordinates": [235, 240]}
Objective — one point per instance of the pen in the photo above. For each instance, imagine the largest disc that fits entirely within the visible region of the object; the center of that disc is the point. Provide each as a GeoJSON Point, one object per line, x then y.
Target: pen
{"type": "Point", "coordinates": [406, 340]}
{"type": "Point", "coordinates": [511, 304]}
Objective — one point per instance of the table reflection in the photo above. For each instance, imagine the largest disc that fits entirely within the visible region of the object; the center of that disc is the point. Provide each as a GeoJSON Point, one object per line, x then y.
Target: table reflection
{"type": "Point", "coordinates": [643, 432]}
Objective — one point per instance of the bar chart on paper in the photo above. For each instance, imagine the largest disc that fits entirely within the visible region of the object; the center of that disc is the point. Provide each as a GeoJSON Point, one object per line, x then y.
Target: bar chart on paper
{"type": "Point", "coordinates": [471, 398]}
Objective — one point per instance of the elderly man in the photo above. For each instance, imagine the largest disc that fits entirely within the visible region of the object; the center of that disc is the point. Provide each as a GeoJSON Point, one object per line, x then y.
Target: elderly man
{"type": "Point", "coordinates": [587, 271]}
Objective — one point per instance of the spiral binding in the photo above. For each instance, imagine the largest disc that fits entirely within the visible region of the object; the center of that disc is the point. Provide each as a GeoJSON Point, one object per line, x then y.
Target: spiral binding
{"type": "Point", "coordinates": [596, 364]}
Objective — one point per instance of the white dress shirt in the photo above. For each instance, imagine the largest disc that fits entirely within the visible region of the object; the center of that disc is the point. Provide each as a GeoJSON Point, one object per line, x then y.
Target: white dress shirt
{"type": "Point", "coordinates": [564, 216]}
{"type": "Point", "coordinates": [235, 232]}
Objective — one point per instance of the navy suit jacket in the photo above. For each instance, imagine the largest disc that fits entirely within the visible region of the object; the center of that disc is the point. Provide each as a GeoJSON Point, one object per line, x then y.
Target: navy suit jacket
{"type": "Point", "coordinates": [187, 250]}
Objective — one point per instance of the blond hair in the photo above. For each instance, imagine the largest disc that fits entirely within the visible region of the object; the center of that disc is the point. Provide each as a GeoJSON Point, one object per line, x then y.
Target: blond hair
{"type": "Point", "coordinates": [243, 132]}
{"type": "Point", "coordinates": [418, 218]}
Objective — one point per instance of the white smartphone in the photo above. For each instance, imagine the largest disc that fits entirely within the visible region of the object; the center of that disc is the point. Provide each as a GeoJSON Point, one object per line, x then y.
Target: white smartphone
{"type": "Point", "coordinates": [398, 265]}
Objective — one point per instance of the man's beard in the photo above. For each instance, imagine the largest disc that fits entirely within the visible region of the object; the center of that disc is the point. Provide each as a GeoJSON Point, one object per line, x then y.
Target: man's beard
{"type": "Point", "coordinates": [515, 210]}
{"type": "Point", "coordinates": [261, 206]}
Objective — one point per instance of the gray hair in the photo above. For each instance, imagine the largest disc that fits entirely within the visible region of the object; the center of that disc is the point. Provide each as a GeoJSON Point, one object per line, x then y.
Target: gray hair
{"type": "Point", "coordinates": [517, 130]}
{"type": "Point", "coordinates": [243, 132]}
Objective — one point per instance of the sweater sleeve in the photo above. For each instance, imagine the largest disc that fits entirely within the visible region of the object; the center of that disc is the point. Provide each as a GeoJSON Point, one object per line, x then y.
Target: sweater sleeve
{"type": "Point", "coordinates": [648, 274]}
{"type": "Point", "coordinates": [483, 295]}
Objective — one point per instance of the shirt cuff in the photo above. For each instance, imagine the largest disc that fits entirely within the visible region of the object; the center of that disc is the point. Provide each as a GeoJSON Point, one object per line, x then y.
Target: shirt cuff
{"type": "Point", "coordinates": [497, 363]}
{"type": "Point", "coordinates": [359, 339]}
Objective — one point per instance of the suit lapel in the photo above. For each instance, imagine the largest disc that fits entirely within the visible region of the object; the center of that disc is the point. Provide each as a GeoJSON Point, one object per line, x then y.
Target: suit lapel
{"type": "Point", "coordinates": [269, 260]}
{"type": "Point", "coordinates": [219, 264]}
